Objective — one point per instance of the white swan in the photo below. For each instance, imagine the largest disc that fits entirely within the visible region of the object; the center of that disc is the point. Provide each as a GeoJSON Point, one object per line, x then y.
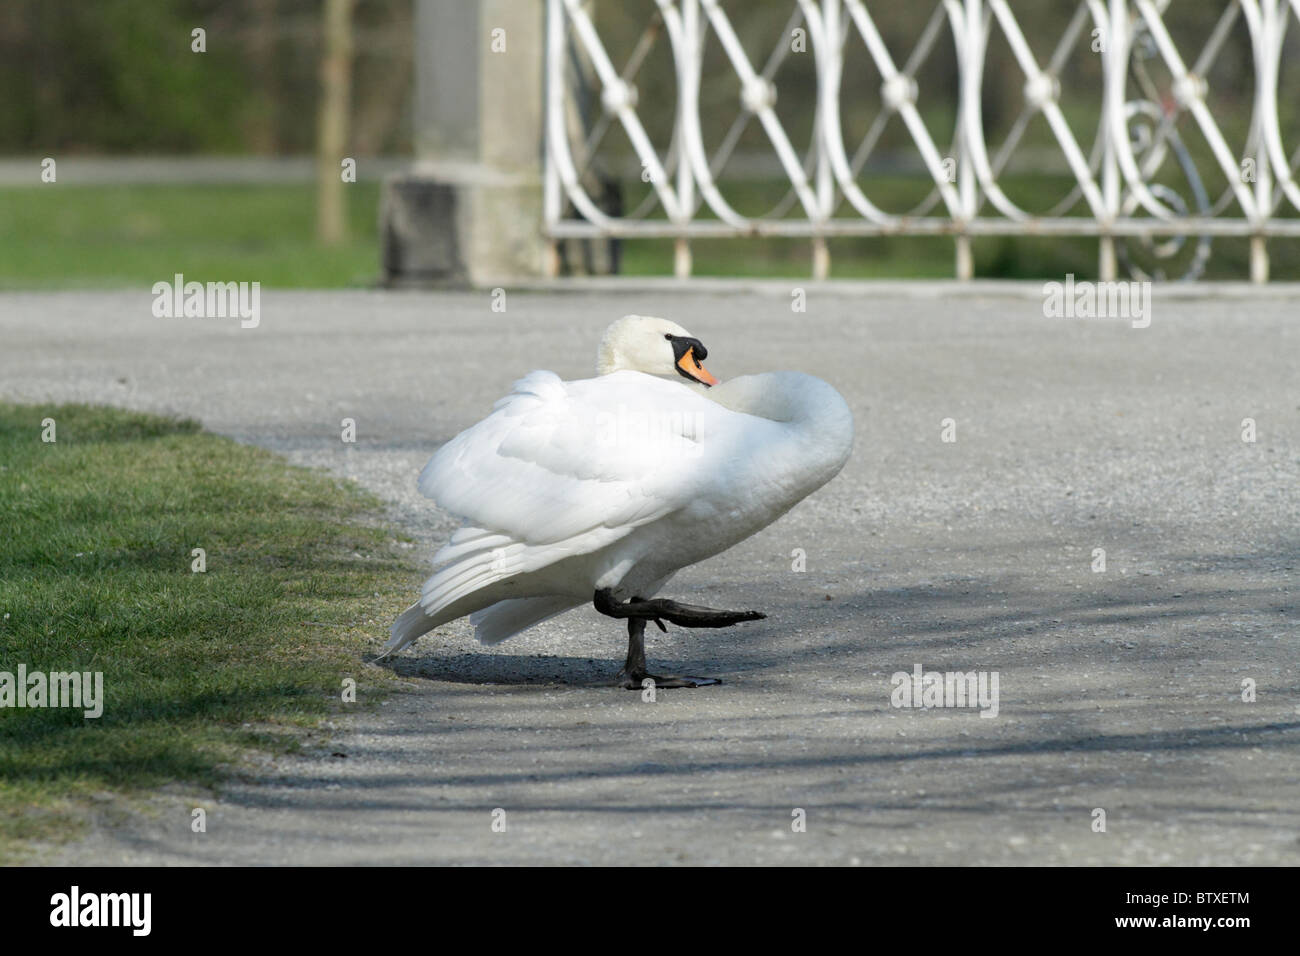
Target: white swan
{"type": "Point", "coordinates": [600, 490]}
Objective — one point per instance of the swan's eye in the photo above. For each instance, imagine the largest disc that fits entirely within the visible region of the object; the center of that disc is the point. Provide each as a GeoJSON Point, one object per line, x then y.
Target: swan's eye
{"type": "Point", "coordinates": [668, 336]}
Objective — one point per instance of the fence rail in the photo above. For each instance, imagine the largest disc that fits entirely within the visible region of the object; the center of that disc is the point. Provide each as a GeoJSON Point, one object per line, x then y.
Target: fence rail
{"type": "Point", "coordinates": [1120, 188]}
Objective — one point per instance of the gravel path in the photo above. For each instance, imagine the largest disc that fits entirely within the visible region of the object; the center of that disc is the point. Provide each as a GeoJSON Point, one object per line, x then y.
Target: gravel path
{"type": "Point", "coordinates": [1119, 690]}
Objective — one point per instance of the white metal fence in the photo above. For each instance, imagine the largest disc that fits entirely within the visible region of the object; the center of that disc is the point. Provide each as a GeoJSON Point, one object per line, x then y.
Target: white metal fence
{"type": "Point", "coordinates": [1118, 194]}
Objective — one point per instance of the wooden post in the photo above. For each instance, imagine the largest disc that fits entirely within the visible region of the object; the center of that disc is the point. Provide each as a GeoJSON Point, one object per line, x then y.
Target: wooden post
{"type": "Point", "coordinates": [332, 129]}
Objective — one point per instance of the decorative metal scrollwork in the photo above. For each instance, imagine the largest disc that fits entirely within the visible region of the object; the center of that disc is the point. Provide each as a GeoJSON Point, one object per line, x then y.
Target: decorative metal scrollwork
{"type": "Point", "coordinates": [1121, 191]}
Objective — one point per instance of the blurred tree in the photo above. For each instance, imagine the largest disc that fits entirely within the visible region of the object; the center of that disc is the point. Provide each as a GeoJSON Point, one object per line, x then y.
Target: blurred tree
{"type": "Point", "coordinates": [332, 124]}
{"type": "Point", "coordinates": [116, 75]}
{"type": "Point", "coordinates": [119, 76]}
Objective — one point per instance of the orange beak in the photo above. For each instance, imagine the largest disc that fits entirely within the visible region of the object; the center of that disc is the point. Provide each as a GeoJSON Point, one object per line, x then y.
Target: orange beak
{"type": "Point", "coordinates": [689, 364]}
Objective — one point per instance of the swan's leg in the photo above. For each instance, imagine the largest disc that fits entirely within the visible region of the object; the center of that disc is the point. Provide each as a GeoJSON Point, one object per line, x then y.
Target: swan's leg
{"type": "Point", "coordinates": [634, 667]}
{"type": "Point", "coordinates": [634, 672]}
{"type": "Point", "coordinates": [638, 611]}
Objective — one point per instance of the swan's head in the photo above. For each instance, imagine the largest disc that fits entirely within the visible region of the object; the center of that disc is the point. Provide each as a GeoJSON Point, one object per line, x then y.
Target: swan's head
{"type": "Point", "coordinates": [643, 343]}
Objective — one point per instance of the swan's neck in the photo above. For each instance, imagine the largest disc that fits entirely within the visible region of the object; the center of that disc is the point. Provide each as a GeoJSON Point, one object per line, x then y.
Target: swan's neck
{"type": "Point", "coordinates": [817, 426]}
{"type": "Point", "coordinates": [787, 397]}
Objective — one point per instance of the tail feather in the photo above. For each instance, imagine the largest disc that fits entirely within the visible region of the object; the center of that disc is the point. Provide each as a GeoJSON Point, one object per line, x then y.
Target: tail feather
{"type": "Point", "coordinates": [409, 625]}
{"type": "Point", "coordinates": [507, 618]}
{"type": "Point", "coordinates": [477, 568]}
{"type": "Point", "coordinates": [492, 624]}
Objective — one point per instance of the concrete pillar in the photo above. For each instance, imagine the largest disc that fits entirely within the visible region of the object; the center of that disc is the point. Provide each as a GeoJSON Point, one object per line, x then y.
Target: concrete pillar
{"type": "Point", "coordinates": [470, 209]}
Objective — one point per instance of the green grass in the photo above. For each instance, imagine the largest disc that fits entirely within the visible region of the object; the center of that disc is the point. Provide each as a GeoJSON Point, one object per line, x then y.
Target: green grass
{"type": "Point", "coordinates": [65, 236]}
{"type": "Point", "coordinates": [95, 575]}
{"type": "Point", "coordinates": [62, 236]}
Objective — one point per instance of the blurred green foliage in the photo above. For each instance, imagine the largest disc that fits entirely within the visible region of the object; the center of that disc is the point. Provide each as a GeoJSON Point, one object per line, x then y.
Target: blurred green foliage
{"type": "Point", "coordinates": [119, 76]}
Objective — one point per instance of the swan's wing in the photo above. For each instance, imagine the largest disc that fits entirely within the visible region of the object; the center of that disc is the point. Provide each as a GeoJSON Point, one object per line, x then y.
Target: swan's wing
{"type": "Point", "coordinates": [557, 460]}
{"type": "Point", "coordinates": [562, 469]}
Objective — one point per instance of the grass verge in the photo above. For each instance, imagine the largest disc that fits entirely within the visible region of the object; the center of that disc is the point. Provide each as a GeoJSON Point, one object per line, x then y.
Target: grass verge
{"type": "Point", "coordinates": [98, 530]}
{"type": "Point", "coordinates": [106, 236]}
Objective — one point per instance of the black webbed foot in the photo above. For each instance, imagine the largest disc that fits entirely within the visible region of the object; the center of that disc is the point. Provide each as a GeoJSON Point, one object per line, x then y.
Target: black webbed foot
{"type": "Point", "coordinates": [663, 609]}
